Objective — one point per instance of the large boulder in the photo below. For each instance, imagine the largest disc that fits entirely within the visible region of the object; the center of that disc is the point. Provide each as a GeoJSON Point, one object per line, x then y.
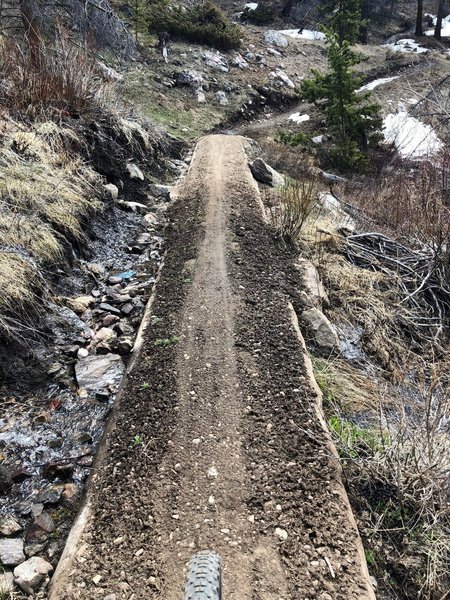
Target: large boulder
{"type": "Point", "coordinates": [275, 38]}
{"type": "Point", "coordinates": [32, 573]}
{"type": "Point", "coordinates": [263, 173]}
{"type": "Point", "coordinates": [321, 331]}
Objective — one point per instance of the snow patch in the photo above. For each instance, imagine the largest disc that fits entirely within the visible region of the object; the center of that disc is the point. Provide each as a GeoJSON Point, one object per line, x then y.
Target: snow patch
{"type": "Point", "coordinates": [445, 31]}
{"type": "Point", "coordinates": [374, 84]}
{"type": "Point", "coordinates": [407, 45]}
{"type": "Point", "coordinates": [412, 138]}
{"type": "Point", "coordinates": [298, 118]}
{"type": "Point", "coordinates": [303, 34]}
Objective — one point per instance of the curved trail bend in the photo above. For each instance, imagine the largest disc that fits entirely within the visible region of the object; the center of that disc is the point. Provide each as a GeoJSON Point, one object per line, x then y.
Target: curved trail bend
{"type": "Point", "coordinates": [233, 455]}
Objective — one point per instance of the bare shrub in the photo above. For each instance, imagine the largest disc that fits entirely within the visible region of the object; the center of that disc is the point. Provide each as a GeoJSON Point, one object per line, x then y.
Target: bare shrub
{"type": "Point", "coordinates": [65, 80]}
{"type": "Point", "coordinates": [290, 206]}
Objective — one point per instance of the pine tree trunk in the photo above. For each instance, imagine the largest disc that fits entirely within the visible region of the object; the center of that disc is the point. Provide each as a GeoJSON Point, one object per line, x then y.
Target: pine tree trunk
{"type": "Point", "coordinates": [31, 30]}
{"type": "Point", "coordinates": [440, 16]}
{"type": "Point", "coordinates": [419, 19]}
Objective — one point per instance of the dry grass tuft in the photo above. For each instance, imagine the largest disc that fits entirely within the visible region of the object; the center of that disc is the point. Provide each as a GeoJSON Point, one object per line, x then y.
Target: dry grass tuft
{"type": "Point", "coordinates": [46, 196]}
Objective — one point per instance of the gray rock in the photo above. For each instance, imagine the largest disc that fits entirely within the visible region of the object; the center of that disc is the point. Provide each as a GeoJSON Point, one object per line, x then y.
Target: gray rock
{"type": "Point", "coordinates": [321, 330]}
{"type": "Point", "coordinates": [6, 482]}
{"type": "Point", "coordinates": [32, 573]}
{"type": "Point", "coordinates": [215, 61]}
{"type": "Point", "coordinates": [263, 173]}
{"type": "Point", "coordinates": [124, 345]}
{"type": "Point", "coordinates": [275, 38]}
{"type": "Point", "coordinates": [189, 78]}
{"type": "Point", "coordinates": [201, 98]}
{"type": "Point", "coordinates": [6, 583]}
{"type": "Point", "coordinates": [40, 528]}
{"type": "Point", "coordinates": [110, 309]}
{"type": "Point", "coordinates": [112, 190]}
{"type": "Point", "coordinates": [280, 78]}
{"type": "Point", "coordinates": [95, 373]}
{"type": "Point", "coordinates": [239, 62]}
{"type": "Point", "coordinates": [9, 525]}
{"type": "Point", "coordinates": [136, 207]}
{"type": "Point", "coordinates": [134, 172]}
{"type": "Point", "coordinates": [11, 552]}
{"type": "Point", "coordinates": [160, 191]}
{"type": "Point", "coordinates": [50, 495]}
{"type": "Point", "coordinates": [312, 282]}
{"type": "Point", "coordinates": [273, 52]}
{"type": "Point", "coordinates": [222, 98]}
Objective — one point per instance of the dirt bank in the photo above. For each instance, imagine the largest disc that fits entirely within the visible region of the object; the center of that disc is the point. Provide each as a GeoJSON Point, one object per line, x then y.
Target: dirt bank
{"type": "Point", "coordinates": [216, 441]}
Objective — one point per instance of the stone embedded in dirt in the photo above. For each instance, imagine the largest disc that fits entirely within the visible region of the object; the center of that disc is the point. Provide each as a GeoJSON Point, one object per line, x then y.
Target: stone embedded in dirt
{"type": "Point", "coordinates": [280, 79]}
{"type": "Point", "coordinates": [9, 525]}
{"type": "Point", "coordinates": [239, 62]}
{"type": "Point", "coordinates": [110, 309]}
{"type": "Point", "coordinates": [275, 38]}
{"type": "Point", "coordinates": [81, 304]}
{"type": "Point", "coordinates": [222, 98]}
{"type": "Point", "coordinates": [189, 78]}
{"type": "Point", "coordinates": [201, 98]}
{"type": "Point", "coordinates": [110, 597]}
{"type": "Point", "coordinates": [263, 173]}
{"type": "Point", "coordinates": [95, 373]}
{"type": "Point", "coordinates": [281, 533]}
{"type": "Point", "coordinates": [112, 190]}
{"type": "Point", "coordinates": [273, 52]}
{"type": "Point", "coordinates": [311, 280]}
{"type": "Point", "coordinates": [124, 345]}
{"type": "Point", "coordinates": [212, 473]}
{"type": "Point", "coordinates": [39, 529]}
{"type": "Point", "coordinates": [127, 309]}
{"type": "Point", "coordinates": [215, 61]}
{"type": "Point", "coordinates": [20, 475]}
{"type": "Point", "coordinates": [32, 573]}
{"type": "Point", "coordinates": [321, 330]}
{"type": "Point", "coordinates": [135, 172]}
{"type": "Point", "coordinates": [104, 334]}
{"type": "Point", "coordinates": [11, 552]}
{"type": "Point", "coordinates": [160, 191]}
{"type": "Point", "coordinates": [136, 207]}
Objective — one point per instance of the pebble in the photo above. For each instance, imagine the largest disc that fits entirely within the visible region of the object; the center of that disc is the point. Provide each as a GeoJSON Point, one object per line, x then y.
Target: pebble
{"type": "Point", "coordinates": [196, 441]}
{"type": "Point", "coordinates": [96, 579]}
{"type": "Point", "coordinates": [281, 533]}
{"type": "Point", "coordinates": [139, 552]}
{"type": "Point", "coordinates": [212, 473]}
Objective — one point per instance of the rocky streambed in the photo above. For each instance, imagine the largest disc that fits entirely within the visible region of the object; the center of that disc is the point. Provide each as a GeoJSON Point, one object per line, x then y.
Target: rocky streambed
{"type": "Point", "coordinates": [57, 396]}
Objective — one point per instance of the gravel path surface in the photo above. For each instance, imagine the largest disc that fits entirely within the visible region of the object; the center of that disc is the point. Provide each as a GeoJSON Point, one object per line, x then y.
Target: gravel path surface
{"type": "Point", "coordinates": [216, 442]}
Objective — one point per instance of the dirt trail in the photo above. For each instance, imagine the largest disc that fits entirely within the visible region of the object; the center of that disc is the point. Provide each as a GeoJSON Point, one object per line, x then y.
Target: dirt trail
{"type": "Point", "coordinates": [223, 457]}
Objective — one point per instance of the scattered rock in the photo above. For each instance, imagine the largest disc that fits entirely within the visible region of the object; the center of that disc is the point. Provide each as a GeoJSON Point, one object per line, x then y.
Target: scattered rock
{"type": "Point", "coordinates": [104, 334]}
{"type": "Point", "coordinates": [124, 345]}
{"type": "Point", "coordinates": [273, 52]}
{"type": "Point", "coordinates": [39, 529]}
{"type": "Point", "coordinates": [110, 309]}
{"type": "Point", "coordinates": [159, 191]}
{"type": "Point", "coordinates": [50, 495]}
{"type": "Point", "coordinates": [95, 373]}
{"type": "Point", "coordinates": [239, 62]}
{"type": "Point", "coordinates": [274, 38]}
{"type": "Point", "coordinates": [18, 476]}
{"type": "Point", "coordinates": [215, 61]}
{"type": "Point", "coordinates": [135, 172]}
{"type": "Point", "coordinates": [112, 190]}
{"type": "Point", "coordinates": [82, 353]}
{"type": "Point", "coordinates": [9, 525]}
{"type": "Point", "coordinates": [81, 304]}
{"type": "Point", "coordinates": [201, 98]}
{"type": "Point", "coordinates": [281, 533]}
{"type": "Point", "coordinates": [136, 207]}
{"type": "Point", "coordinates": [53, 470]}
{"type": "Point", "coordinates": [11, 552]}
{"type": "Point", "coordinates": [189, 78]}
{"type": "Point", "coordinates": [222, 98]}
{"type": "Point", "coordinates": [322, 331]}
{"type": "Point", "coordinates": [263, 173]}
{"type": "Point", "coordinates": [280, 79]}
{"type": "Point", "coordinates": [6, 481]}
{"type": "Point", "coordinates": [32, 573]}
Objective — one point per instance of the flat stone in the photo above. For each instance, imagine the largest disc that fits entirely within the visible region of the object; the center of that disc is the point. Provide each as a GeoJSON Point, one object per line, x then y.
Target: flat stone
{"type": "Point", "coordinates": [11, 552]}
{"type": "Point", "coordinates": [110, 309]}
{"type": "Point", "coordinates": [94, 373]}
{"type": "Point", "coordinates": [32, 573]}
{"type": "Point", "coordinates": [313, 284]}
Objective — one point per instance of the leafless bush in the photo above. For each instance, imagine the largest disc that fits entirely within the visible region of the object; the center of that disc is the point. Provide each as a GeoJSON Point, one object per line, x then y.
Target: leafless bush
{"type": "Point", "coordinates": [290, 206]}
{"type": "Point", "coordinates": [66, 78]}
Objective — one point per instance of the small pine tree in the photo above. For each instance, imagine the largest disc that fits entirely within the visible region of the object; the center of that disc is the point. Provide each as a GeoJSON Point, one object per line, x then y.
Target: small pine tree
{"type": "Point", "coordinates": [344, 19]}
{"type": "Point", "coordinates": [352, 120]}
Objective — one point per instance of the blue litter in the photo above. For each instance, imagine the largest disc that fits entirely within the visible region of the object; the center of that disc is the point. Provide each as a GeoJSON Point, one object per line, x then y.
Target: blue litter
{"type": "Point", "coordinates": [126, 274]}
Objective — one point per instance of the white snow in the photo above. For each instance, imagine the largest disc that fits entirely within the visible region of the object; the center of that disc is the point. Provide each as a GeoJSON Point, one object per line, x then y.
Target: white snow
{"type": "Point", "coordinates": [298, 118]}
{"type": "Point", "coordinates": [374, 84]}
{"type": "Point", "coordinates": [318, 139]}
{"type": "Point", "coordinates": [407, 45]}
{"type": "Point", "coordinates": [251, 5]}
{"type": "Point", "coordinates": [412, 138]}
{"type": "Point", "coordinates": [445, 31]}
{"type": "Point", "coordinates": [303, 34]}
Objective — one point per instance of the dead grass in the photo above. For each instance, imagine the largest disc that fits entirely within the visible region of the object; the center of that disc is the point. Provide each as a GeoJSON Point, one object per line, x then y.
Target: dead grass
{"type": "Point", "coordinates": [46, 196]}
